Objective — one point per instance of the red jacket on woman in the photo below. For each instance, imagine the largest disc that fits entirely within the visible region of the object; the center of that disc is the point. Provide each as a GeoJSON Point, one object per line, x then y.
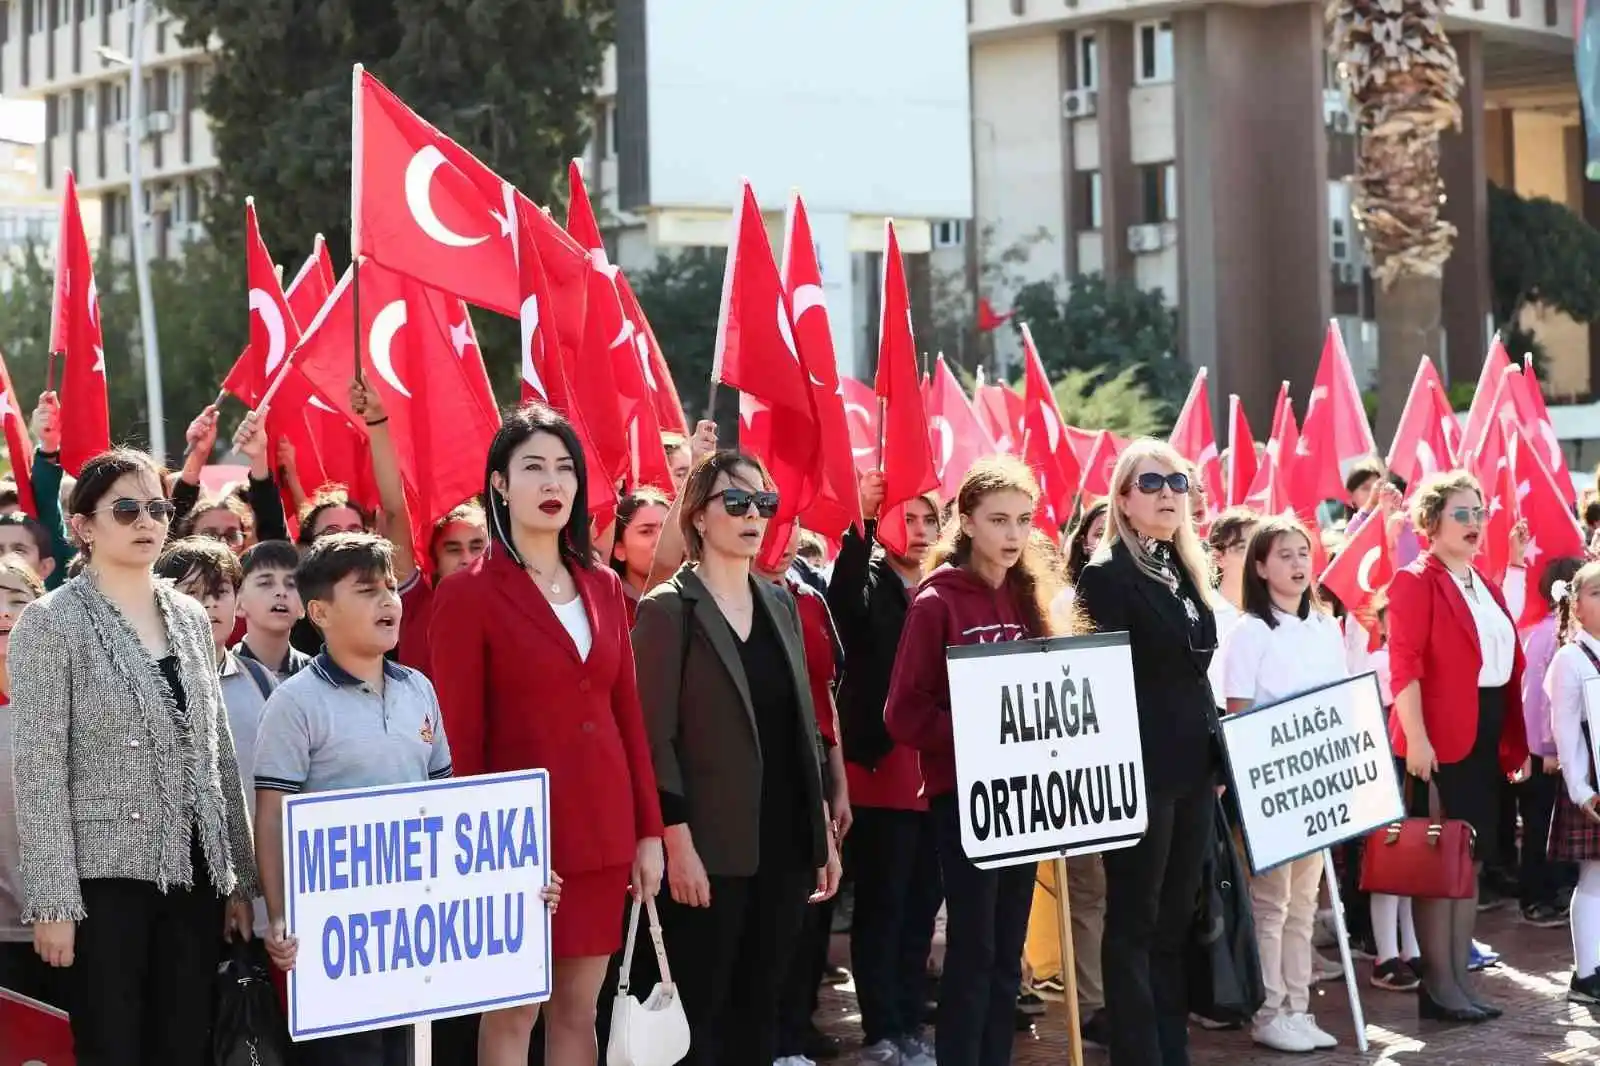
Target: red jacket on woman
{"type": "Point", "coordinates": [1434, 640]}
{"type": "Point", "coordinates": [515, 695]}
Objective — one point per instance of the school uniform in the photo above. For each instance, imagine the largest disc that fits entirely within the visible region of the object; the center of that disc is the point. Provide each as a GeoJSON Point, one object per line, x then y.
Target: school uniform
{"type": "Point", "coordinates": [1263, 664]}
{"type": "Point", "coordinates": [325, 729]}
{"type": "Point", "coordinates": [525, 683]}
{"type": "Point", "coordinates": [1574, 837]}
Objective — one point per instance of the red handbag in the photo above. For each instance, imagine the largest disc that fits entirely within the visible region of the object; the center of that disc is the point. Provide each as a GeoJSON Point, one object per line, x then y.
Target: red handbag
{"type": "Point", "coordinates": [1425, 858]}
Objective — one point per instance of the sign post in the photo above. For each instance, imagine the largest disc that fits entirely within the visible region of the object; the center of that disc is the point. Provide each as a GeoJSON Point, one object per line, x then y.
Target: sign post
{"type": "Point", "coordinates": [417, 902]}
{"type": "Point", "coordinates": [1311, 771]}
{"type": "Point", "coordinates": [1048, 762]}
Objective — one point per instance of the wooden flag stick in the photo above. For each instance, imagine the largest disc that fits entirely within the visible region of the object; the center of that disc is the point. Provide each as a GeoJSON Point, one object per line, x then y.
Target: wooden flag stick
{"type": "Point", "coordinates": [1069, 966]}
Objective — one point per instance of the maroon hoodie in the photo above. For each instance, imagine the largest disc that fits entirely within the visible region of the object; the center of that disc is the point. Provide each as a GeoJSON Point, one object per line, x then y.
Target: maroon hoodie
{"type": "Point", "coordinates": [954, 607]}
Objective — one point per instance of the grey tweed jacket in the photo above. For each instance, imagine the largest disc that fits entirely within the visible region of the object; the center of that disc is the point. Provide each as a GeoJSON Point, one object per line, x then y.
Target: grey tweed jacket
{"type": "Point", "coordinates": [110, 776]}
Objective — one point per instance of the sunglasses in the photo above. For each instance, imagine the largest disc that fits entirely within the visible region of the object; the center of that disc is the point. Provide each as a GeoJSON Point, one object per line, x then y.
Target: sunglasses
{"type": "Point", "coordinates": [1152, 483]}
{"type": "Point", "coordinates": [127, 511]}
{"type": "Point", "coordinates": [1465, 515]}
{"type": "Point", "coordinates": [231, 537]}
{"type": "Point", "coordinates": [737, 502]}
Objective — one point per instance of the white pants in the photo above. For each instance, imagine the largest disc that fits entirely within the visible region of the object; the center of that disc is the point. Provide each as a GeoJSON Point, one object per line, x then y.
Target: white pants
{"type": "Point", "coordinates": [1284, 903]}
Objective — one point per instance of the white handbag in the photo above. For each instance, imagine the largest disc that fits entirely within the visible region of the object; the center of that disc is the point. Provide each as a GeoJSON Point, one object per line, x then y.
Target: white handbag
{"type": "Point", "coordinates": [655, 1032]}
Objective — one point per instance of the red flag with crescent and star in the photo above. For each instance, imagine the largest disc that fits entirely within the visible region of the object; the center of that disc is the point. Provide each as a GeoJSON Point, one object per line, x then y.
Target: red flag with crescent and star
{"type": "Point", "coordinates": [75, 336]}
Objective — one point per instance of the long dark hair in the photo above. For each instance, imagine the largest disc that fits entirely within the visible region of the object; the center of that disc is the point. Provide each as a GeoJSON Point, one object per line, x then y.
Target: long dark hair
{"type": "Point", "coordinates": [515, 430]}
{"type": "Point", "coordinates": [627, 509]}
{"type": "Point", "coordinates": [1257, 596]}
{"type": "Point", "coordinates": [95, 481]}
{"type": "Point", "coordinates": [1078, 547]}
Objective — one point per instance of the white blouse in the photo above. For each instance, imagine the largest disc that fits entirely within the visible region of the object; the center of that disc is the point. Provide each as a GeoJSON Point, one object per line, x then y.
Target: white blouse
{"type": "Point", "coordinates": [1262, 664]}
{"type": "Point", "coordinates": [1228, 618]}
{"type": "Point", "coordinates": [1568, 672]}
{"type": "Point", "coordinates": [576, 621]}
{"type": "Point", "coordinates": [1497, 637]}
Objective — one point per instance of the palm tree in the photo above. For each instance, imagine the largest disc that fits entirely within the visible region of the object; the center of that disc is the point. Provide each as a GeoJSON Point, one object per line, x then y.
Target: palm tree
{"type": "Point", "coordinates": [1400, 74]}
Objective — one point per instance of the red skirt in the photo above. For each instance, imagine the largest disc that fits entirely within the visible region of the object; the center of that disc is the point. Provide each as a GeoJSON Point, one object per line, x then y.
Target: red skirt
{"type": "Point", "coordinates": [1574, 837]}
{"type": "Point", "coordinates": [589, 921]}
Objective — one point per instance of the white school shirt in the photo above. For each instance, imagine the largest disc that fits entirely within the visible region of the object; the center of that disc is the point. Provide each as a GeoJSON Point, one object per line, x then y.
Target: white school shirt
{"type": "Point", "coordinates": [1568, 671]}
{"type": "Point", "coordinates": [1228, 618]}
{"type": "Point", "coordinates": [1263, 664]}
{"type": "Point", "coordinates": [1497, 637]}
{"type": "Point", "coordinates": [576, 621]}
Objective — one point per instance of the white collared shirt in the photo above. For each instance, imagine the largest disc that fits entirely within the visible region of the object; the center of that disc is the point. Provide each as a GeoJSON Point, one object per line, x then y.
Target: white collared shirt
{"type": "Point", "coordinates": [1569, 670]}
{"type": "Point", "coordinates": [1497, 637]}
{"type": "Point", "coordinates": [1263, 664]}
{"type": "Point", "coordinates": [1228, 619]}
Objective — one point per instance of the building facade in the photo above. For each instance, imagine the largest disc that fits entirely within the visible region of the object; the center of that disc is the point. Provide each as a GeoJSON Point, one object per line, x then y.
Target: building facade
{"type": "Point", "coordinates": [1203, 148]}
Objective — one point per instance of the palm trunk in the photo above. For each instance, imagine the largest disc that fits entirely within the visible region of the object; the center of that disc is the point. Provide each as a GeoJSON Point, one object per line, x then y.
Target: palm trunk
{"type": "Point", "coordinates": [1410, 315]}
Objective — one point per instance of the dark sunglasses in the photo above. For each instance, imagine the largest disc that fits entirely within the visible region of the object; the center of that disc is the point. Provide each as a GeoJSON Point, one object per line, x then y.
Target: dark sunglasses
{"type": "Point", "coordinates": [127, 511]}
{"type": "Point", "coordinates": [737, 502]}
{"type": "Point", "coordinates": [1151, 483]}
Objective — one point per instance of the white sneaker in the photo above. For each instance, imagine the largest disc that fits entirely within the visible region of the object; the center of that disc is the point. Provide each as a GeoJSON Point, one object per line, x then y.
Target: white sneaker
{"type": "Point", "coordinates": [1320, 1040]}
{"type": "Point", "coordinates": [1282, 1034]}
{"type": "Point", "coordinates": [1325, 969]}
{"type": "Point", "coordinates": [883, 1053]}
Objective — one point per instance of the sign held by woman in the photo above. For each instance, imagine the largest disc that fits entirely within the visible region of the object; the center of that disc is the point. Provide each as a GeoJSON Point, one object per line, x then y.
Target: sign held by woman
{"type": "Point", "coordinates": [1048, 762]}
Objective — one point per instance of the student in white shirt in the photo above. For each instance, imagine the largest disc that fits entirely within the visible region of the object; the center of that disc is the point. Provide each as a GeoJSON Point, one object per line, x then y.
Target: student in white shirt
{"type": "Point", "coordinates": [1285, 644]}
{"type": "Point", "coordinates": [1228, 541]}
{"type": "Point", "coordinates": [1575, 827]}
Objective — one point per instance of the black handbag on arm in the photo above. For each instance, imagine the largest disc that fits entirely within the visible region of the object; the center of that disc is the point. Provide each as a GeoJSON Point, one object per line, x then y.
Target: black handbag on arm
{"type": "Point", "coordinates": [1223, 965]}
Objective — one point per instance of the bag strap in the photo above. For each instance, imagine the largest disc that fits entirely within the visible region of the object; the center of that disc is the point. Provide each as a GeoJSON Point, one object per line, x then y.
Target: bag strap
{"type": "Point", "coordinates": [1594, 660]}
{"type": "Point", "coordinates": [623, 976]}
{"type": "Point", "coordinates": [259, 674]}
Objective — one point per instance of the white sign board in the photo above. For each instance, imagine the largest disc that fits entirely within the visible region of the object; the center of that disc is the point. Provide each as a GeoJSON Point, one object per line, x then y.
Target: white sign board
{"type": "Point", "coordinates": [1312, 770]}
{"type": "Point", "coordinates": [1048, 762]}
{"type": "Point", "coordinates": [415, 902]}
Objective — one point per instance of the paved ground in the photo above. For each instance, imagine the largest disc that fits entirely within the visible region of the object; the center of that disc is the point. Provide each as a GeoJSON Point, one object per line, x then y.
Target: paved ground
{"type": "Point", "coordinates": [1540, 1026]}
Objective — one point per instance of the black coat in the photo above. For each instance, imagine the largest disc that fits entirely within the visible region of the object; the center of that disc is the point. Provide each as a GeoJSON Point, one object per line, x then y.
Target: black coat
{"type": "Point", "coordinates": [1177, 712]}
{"type": "Point", "coordinates": [869, 604]}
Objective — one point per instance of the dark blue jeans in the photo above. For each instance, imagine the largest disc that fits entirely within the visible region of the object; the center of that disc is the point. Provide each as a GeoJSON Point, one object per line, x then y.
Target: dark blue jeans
{"type": "Point", "coordinates": [895, 862]}
{"type": "Point", "coordinates": [986, 923]}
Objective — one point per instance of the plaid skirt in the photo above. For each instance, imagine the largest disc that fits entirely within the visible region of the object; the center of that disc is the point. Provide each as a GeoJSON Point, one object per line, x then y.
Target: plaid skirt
{"type": "Point", "coordinates": [1574, 837]}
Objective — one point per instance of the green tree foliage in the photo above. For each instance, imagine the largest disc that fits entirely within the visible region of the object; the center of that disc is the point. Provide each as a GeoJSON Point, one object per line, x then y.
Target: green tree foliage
{"type": "Point", "coordinates": [681, 295]}
{"type": "Point", "coordinates": [1540, 252]}
{"type": "Point", "coordinates": [1107, 328]}
{"type": "Point", "coordinates": [1120, 402]}
{"type": "Point", "coordinates": [953, 313]}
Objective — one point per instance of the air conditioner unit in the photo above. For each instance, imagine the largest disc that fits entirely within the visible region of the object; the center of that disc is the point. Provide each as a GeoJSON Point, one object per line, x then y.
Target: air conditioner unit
{"type": "Point", "coordinates": [1146, 238]}
{"type": "Point", "coordinates": [1078, 103]}
{"type": "Point", "coordinates": [1347, 273]}
{"type": "Point", "coordinates": [157, 123]}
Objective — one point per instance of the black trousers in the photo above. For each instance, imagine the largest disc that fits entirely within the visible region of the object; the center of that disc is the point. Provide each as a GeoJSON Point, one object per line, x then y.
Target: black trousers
{"type": "Point", "coordinates": [140, 985]}
{"type": "Point", "coordinates": [381, 1047]}
{"type": "Point", "coordinates": [1536, 802]}
{"type": "Point", "coordinates": [1150, 905]}
{"type": "Point", "coordinates": [895, 857]}
{"type": "Point", "coordinates": [729, 961]}
{"type": "Point", "coordinates": [24, 972]}
{"type": "Point", "coordinates": [986, 924]}
{"type": "Point", "coordinates": [797, 1001]}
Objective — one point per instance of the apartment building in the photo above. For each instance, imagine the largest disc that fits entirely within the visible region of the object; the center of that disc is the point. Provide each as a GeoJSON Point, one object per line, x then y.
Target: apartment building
{"type": "Point", "coordinates": [73, 56]}
{"type": "Point", "coordinates": [1202, 149]}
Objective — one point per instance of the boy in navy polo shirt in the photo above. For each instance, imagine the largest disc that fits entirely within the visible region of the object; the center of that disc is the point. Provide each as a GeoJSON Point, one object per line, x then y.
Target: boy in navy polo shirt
{"type": "Point", "coordinates": [351, 719]}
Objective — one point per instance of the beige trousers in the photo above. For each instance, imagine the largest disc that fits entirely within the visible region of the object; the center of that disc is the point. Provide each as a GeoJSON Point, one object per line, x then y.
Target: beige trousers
{"type": "Point", "coordinates": [1284, 903]}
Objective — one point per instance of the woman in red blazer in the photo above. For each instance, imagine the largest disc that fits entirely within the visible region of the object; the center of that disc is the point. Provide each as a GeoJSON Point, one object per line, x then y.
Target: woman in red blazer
{"type": "Point", "coordinates": [1456, 667]}
{"type": "Point", "coordinates": [533, 664]}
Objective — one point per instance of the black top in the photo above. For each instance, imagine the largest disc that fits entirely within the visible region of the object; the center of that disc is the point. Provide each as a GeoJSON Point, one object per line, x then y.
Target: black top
{"type": "Point", "coordinates": [168, 667]}
{"type": "Point", "coordinates": [785, 827]}
{"type": "Point", "coordinates": [869, 603]}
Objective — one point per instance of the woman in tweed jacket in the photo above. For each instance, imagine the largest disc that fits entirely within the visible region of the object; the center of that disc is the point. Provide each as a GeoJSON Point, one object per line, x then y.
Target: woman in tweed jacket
{"type": "Point", "coordinates": [136, 852]}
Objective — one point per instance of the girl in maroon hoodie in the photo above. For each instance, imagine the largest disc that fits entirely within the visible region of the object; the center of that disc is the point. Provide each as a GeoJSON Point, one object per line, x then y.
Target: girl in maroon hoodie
{"type": "Point", "coordinates": [988, 585]}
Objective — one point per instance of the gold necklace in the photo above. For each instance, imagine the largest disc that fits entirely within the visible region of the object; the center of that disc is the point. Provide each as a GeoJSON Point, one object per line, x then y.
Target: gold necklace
{"type": "Point", "coordinates": [554, 587]}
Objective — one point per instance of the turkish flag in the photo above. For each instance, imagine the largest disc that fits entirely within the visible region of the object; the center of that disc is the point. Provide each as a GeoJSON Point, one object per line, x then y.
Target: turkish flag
{"type": "Point", "coordinates": [33, 1034]}
{"type": "Point", "coordinates": [1421, 441]}
{"type": "Point", "coordinates": [755, 353]}
{"type": "Point", "coordinates": [1269, 492]}
{"type": "Point", "coordinates": [422, 357]}
{"type": "Point", "coordinates": [75, 336]}
{"type": "Point", "coordinates": [1194, 438]}
{"type": "Point", "coordinates": [958, 439]}
{"type": "Point", "coordinates": [274, 330]}
{"type": "Point", "coordinates": [1480, 420]}
{"type": "Point", "coordinates": [1335, 434]}
{"type": "Point", "coordinates": [1542, 432]}
{"type": "Point", "coordinates": [861, 415]}
{"type": "Point", "coordinates": [837, 504]}
{"type": "Point", "coordinates": [1045, 445]}
{"type": "Point", "coordinates": [1361, 571]}
{"type": "Point", "coordinates": [1000, 409]}
{"type": "Point", "coordinates": [18, 443]}
{"type": "Point", "coordinates": [1241, 453]}
{"type": "Point", "coordinates": [1493, 469]}
{"type": "Point", "coordinates": [423, 206]}
{"type": "Point", "coordinates": [1098, 464]}
{"type": "Point", "coordinates": [1553, 533]}
{"type": "Point", "coordinates": [989, 319]}
{"type": "Point", "coordinates": [908, 466]}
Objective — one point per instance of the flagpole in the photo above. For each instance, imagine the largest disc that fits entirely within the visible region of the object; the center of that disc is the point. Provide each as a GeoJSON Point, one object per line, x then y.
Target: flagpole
{"type": "Point", "coordinates": [141, 261]}
{"type": "Point", "coordinates": [357, 166]}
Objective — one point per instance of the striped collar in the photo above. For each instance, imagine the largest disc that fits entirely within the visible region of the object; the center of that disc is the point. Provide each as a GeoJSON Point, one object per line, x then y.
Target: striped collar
{"type": "Point", "coordinates": [324, 666]}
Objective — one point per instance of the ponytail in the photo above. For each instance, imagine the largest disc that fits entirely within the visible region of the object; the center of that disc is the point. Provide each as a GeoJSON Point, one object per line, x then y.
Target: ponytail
{"type": "Point", "coordinates": [1564, 617]}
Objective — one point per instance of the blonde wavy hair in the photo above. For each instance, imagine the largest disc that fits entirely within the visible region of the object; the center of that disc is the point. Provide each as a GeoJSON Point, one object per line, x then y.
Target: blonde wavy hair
{"type": "Point", "coordinates": [1032, 578]}
{"type": "Point", "coordinates": [1191, 554]}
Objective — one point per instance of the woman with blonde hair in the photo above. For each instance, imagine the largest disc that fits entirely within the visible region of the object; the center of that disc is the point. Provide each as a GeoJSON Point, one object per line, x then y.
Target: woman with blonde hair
{"type": "Point", "coordinates": [988, 584]}
{"type": "Point", "coordinates": [1151, 580]}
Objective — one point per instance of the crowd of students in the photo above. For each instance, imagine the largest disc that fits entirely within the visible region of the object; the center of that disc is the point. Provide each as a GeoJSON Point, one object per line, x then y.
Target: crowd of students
{"type": "Point", "coordinates": [734, 739]}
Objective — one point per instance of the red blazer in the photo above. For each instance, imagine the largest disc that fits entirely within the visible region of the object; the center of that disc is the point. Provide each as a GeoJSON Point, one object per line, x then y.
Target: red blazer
{"type": "Point", "coordinates": [515, 695]}
{"type": "Point", "coordinates": [1434, 641]}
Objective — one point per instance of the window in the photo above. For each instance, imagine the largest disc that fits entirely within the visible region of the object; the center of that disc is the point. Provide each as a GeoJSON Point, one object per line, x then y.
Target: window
{"type": "Point", "coordinates": [1158, 188]}
{"type": "Point", "coordinates": [1087, 199]}
{"type": "Point", "coordinates": [609, 120]}
{"type": "Point", "coordinates": [1088, 72]}
{"type": "Point", "coordinates": [88, 9]}
{"type": "Point", "coordinates": [951, 233]}
{"type": "Point", "coordinates": [91, 116]}
{"type": "Point", "coordinates": [119, 102]}
{"type": "Point", "coordinates": [1153, 59]}
{"type": "Point", "coordinates": [1341, 238]}
{"type": "Point", "coordinates": [174, 88]}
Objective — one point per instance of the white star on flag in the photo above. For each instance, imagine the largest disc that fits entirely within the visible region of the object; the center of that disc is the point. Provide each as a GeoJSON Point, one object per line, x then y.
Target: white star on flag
{"type": "Point", "coordinates": [461, 336]}
{"type": "Point", "coordinates": [99, 359]}
{"type": "Point", "coordinates": [1531, 553]}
